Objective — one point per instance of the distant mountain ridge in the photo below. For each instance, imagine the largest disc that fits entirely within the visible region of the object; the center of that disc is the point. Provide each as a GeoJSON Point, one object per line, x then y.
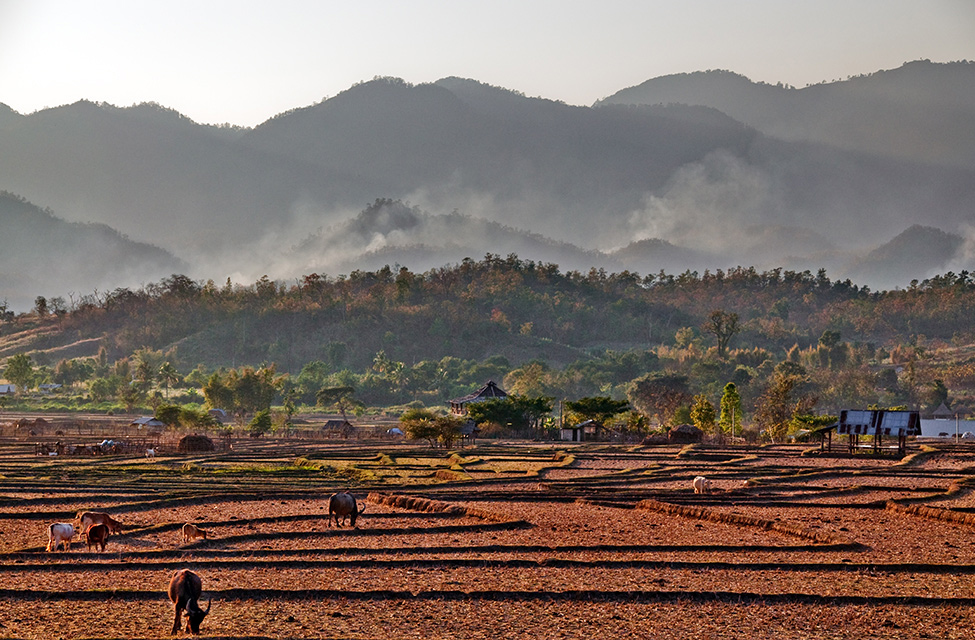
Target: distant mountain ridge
{"type": "Point", "coordinates": [637, 186]}
{"type": "Point", "coordinates": [920, 111]}
{"type": "Point", "coordinates": [914, 254]}
{"type": "Point", "coordinates": [42, 255]}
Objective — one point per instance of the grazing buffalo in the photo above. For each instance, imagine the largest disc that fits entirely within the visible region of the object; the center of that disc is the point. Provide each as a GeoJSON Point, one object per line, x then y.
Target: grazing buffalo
{"type": "Point", "coordinates": [89, 518]}
{"type": "Point", "coordinates": [702, 485]}
{"type": "Point", "coordinates": [60, 532]}
{"type": "Point", "coordinates": [185, 588]}
{"type": "Point", "coordinates": [96, 536]}
{"type": "Point", "coordinates": [343, 504]}
{"type": "Point", "coordinates": [192, 532]}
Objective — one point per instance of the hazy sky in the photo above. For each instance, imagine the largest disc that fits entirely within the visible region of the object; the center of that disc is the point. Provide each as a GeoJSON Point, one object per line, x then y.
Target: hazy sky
{"type": "Point", "coordinates": [244, 61]}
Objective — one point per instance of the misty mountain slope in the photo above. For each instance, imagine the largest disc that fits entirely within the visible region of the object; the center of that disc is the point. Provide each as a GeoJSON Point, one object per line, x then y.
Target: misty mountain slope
{"type": "Point", "coordinates": [389, 232]}
{"type": "Point", "coordinates": [42, 255]}
{"type": "Point", "coordinates": [148, 172]}
{"type": "Point", "coordinates": [371, 130]}
{"type": "Point", "coordinates": [528, 162]}
{"type": "Point", "coordinates": [914, 254]}
{"type": "Point", "coordinates": [654, 255]}
{"type": "Point", "coordinates": [856, 198]}
{"type": "Point", "coordinates": [232, 201]}
{"type": "Point", "coordinates": [921, 111]}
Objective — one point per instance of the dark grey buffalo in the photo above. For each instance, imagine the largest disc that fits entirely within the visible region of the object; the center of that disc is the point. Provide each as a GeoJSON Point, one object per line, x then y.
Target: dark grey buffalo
{"type": "Point", "coordinates": [184, 590]}
{"type": "Point", "coordinates": [344, 505]}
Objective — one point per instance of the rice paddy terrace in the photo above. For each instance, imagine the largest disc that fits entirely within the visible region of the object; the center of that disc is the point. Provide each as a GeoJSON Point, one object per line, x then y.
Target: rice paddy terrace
{"type": "Point", "coordinates": [497, 540]}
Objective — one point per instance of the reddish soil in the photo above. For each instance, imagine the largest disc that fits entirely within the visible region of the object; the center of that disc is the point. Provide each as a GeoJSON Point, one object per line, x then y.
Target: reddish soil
{"type": "Point", "coordinates": [564, 553]}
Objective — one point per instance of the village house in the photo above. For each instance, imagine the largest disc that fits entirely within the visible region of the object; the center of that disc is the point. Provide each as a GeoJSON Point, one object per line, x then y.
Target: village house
{"type": "Point", "coordinates": [588, 431]}
{"type": "Point", "coordinates": [489, 391]}
{"type": "Point", "coordinates": [458, 406]}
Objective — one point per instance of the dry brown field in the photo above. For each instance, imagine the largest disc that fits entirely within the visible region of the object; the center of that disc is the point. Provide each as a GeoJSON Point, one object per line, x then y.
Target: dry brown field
{"type": "Point", "coordinates": [498, 540]}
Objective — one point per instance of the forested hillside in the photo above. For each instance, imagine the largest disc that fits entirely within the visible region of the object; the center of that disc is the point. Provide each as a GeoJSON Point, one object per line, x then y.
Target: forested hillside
{"type": "Point", "coordinates": [37, 249]}
{"type": "Point", "coordinates": [396, 335]}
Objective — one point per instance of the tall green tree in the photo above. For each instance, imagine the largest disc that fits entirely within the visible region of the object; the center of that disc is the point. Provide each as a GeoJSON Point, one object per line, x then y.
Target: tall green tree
{"type": "Point", "coordinates": [783, 400]}
{"type": "Point", "coordinates": [600, 409]}
{"type": "Point", "coordinates": [312, 377]}
{"type": "Point", "coordinates": [254, 389]}
{"type": "Point", "coordinates": [937, 393]}
{"type": "Point", "coordinates": [703, 414]}
{"type": "Point", "coordinates": [168, 376]}
{"type": "Point", "coordinates": [217, 394]}
{"type": "Point", "coordinates": [20, 371]}
{"type": "Point", "coordinates": [731, 418]}
{"type": "Point", "coordinates": [341, 398]}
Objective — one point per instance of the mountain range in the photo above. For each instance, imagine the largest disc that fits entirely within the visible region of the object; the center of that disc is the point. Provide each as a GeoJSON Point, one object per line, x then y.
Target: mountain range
{"type": "Point", "coordinates": [696, 171]}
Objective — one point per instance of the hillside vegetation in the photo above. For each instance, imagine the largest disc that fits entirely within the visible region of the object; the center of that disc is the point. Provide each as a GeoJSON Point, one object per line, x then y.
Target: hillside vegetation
{"type": "Point", "coordinates": [396, 336]}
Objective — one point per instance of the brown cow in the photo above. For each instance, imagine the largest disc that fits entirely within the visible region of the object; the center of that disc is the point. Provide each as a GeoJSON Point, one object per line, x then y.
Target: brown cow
{"type": "Point", "coordinates": [89, 518]}
{"type": "Point", "coordinates": [185, 588]}
{"type": "Point", "coordinates": [96, 535]}
{"type": "Point", "coordinates": [192, 532]}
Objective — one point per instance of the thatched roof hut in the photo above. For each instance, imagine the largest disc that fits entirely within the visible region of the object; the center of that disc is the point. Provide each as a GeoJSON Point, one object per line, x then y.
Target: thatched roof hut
{"type": "Point", "coordinates": [489, 391]}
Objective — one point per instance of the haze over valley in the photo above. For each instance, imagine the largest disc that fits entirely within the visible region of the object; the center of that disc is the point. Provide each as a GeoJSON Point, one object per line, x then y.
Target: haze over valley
{"type": "Point", "coordinates": [871, 178]}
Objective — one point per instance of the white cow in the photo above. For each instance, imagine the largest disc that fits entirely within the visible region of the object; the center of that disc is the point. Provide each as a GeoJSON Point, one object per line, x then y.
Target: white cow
{"type": "Point", "coordinates": [150, 453]}
{"type": "Point", "coordinates": [702, 485]}
{"type": "Point", "coordinates": [60, 532]}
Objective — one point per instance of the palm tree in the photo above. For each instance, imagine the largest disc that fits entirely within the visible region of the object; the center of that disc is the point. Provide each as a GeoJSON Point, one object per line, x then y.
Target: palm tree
{"type": "Point", "coordinates": [168, 376]}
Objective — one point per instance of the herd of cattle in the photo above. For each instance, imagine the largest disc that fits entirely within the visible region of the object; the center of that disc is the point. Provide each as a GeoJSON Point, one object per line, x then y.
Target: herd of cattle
{"type": "Point", "coordinates": [185, 586]}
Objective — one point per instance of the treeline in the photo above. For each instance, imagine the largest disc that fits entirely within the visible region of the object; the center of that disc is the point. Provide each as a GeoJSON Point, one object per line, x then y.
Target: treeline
{"type": "Point", "coordinates": [496, 306]}
{"type": "Point", "coordinates": [397, 336]}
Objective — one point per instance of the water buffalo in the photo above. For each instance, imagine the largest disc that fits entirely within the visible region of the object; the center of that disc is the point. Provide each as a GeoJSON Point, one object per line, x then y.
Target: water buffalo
{"type": "Point", "coordinates": [185, 588]}
{"type": "Point", "coordinates": [343, 504]}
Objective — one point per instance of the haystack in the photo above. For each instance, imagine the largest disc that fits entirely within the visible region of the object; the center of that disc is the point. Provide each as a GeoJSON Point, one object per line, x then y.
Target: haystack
{"type": "Point", "coordinates": [194, 444]}
{"type": "Point", "coordinates": [685, 434]}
